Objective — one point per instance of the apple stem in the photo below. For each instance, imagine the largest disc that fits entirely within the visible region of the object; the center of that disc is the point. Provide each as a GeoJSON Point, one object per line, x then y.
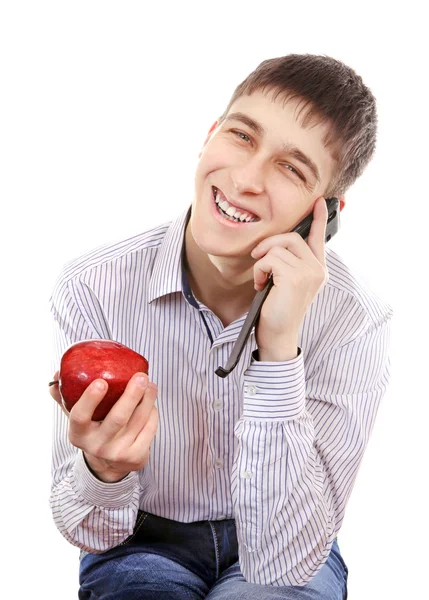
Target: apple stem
{"type": "Point", "coordinates": [53, 382]}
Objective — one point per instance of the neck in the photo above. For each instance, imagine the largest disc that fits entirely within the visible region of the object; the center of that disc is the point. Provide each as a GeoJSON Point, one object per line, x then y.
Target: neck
{"type": "Point", "coordinates": [225, 285]}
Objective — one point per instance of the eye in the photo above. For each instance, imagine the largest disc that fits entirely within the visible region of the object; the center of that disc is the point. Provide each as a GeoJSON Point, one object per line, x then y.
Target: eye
{"type": "Point", "coordinates": [241, 135]}
{"type": "Point", "coordinates": [294, 171]}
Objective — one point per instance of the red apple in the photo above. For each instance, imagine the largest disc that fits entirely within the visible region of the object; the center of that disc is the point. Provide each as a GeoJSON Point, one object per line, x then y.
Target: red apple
{"type": "Point", "coordinates": [98, 359]}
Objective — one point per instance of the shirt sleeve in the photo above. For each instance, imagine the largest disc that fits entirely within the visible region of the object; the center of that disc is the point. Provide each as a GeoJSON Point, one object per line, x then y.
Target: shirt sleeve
{"type": "Point", "coordinates": [92, 515]}
{"type": "Point", "coordinates": [301, 442]}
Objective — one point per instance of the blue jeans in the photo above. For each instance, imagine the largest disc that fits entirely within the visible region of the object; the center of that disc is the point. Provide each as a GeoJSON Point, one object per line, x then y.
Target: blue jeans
{"type": "Point", "coordinates": [167, 560]}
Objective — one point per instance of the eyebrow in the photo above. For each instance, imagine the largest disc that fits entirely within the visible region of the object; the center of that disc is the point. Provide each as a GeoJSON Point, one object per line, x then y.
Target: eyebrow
{"type": "Point", "coordinates": [294, 151]}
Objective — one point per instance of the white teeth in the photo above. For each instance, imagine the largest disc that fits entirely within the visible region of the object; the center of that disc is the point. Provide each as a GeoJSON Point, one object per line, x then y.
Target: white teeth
{"type": "Point", "coordinates": [232, 212]}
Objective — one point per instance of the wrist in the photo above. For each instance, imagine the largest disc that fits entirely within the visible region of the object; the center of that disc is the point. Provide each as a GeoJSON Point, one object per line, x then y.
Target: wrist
{"type": "Point", "coordinates": [277, 355]}
{"type": "Point", "coordinates": [281, 350]}
{"type": "Point", "coordinates": [101, 471]}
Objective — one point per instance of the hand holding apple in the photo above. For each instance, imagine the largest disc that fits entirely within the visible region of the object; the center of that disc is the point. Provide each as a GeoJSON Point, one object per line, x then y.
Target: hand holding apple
{"type": "Point", "coordinates": [86, 361]}
{"type": "Point", "coordinates": [121, 442]}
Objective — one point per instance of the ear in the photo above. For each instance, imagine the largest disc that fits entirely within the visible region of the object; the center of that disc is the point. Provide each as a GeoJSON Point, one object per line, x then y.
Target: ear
{"type": "Point", "coordinates": [212, 128]}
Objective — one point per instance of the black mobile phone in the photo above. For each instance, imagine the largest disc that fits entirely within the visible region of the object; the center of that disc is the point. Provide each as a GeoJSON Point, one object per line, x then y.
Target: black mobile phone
{"type": "Point", "coordinates": [303, 228]}
{"type": "Point", "coordinates": [332, 224]}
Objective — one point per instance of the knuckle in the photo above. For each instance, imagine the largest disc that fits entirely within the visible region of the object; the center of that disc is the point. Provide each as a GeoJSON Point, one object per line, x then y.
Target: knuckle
{"type": "Point", "coordinates": [72, 438]}
{"type": "Point", "coordinates": [97, 451]}
{"type": "Point", "coordinates": [118, 421]}
{"type": "Point", "coordinates": [152, 427]}
{"type": "Point", "coordinates": [119, 456]}
{"type": "Point", "coordinates": [77, 419]}
{"type": "Point", "coordinates": [322, 274]}
{"type": "Point", "coordinates": [145, 460]}
{"type": "Point", "coordinates": [137, 463]}
{"type": "Point", "coordinates": [295, 236]}
{"type": "Point", "coordinates": [276, 251]}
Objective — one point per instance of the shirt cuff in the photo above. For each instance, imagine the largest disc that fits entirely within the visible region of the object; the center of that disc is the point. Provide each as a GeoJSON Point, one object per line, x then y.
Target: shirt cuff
{"type": "Point", "coordinates": [98, 493]}
{"type": "Point", "coordinates": [274, 390]}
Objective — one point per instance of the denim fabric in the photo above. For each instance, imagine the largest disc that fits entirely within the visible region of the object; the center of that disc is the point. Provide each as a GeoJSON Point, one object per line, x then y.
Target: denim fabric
{"type": "Point", "coordinates": [167, 560]}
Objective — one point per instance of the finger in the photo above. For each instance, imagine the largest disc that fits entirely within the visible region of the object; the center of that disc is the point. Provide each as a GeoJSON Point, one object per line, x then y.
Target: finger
{"type": "Point", "coordinates": [291, 241]}
{"type": "Point", "coordinates": [82, 411]}
{"type": "Point", "coordinates": [316, 238]}
{"type": "Point", "coordinates": [285, 254]}
{"type": "Point", "coordinates": [267, 265]}
{"type": "Point", "coordinates": [121, 412]}
{"type": "Point", "coordinates": [142, 412]}
{"type": "Point", "coordinates": [145, 437]}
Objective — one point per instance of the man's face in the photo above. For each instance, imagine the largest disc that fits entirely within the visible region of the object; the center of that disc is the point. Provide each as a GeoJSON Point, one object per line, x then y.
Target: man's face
{"type": "Point", "coordinates": [263, 163]}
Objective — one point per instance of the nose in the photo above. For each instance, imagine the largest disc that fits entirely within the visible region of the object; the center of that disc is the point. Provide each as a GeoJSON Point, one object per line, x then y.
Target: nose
{"type": "Point", "coordinates": [249, 177]}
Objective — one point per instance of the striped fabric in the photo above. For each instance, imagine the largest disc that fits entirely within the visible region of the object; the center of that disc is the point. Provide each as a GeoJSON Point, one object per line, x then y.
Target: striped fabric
{"type": "Point", "coordinates": [276, 446]}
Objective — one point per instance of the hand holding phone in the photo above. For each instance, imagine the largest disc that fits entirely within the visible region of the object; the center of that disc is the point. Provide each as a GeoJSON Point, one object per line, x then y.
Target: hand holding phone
{"type": "Point", "coordinates": [303, 228]}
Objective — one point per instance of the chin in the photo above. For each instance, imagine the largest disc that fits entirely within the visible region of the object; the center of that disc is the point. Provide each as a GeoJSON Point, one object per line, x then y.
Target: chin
{"type": "Point", "coordinates": [213, 247]}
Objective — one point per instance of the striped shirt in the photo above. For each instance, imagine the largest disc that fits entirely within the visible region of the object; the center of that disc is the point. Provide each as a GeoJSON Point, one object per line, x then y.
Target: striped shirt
{"type": "Point", "coordinates": [275, 445]}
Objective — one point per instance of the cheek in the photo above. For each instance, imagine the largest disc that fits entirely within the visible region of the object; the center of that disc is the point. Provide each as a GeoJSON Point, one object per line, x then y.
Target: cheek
{"type": "Point", "coordinates": [288, 209]}
{"type": "Point", "coordinates": [203, 165]}
{"type": "Point", "coordinates": [288, 196]}
{"type": "Point", "coordinates": [216, 155]}
{"type": "Point", "coordinates": [298, 215]}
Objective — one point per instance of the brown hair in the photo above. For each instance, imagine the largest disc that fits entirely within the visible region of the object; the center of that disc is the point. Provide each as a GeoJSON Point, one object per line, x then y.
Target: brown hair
{"type": "Point", "coordinates": [333, 93]}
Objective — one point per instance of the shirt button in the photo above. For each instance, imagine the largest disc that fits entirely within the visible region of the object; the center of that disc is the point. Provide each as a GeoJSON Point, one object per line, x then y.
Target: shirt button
{"type": "Point", "coordinates": [247, 474]}
{"type": "Point", "coordinates": [218, 404]}
{"type": "Point", "coordinates": [251, 390]}
{"type": "Point", "coordinates": [218, 463]}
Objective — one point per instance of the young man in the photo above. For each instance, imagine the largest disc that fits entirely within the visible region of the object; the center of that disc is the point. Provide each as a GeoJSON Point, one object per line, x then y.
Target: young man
{"type": "Point", "coordinates": [196, 486]}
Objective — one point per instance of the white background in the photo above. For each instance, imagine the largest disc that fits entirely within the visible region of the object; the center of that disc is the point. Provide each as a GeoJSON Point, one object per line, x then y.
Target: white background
{"type": "Point", "coordinates": [104, 107]}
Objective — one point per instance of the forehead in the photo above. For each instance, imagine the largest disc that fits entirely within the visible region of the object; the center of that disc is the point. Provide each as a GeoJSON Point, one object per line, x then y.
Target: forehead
{"type": "Point", "coordinates": [283, 123]}
{"type": "Point", "coordinates": [289, 108]}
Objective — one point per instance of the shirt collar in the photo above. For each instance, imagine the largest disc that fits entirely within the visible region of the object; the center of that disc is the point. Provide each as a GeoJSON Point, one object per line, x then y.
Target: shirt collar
{"type": "Point", "coordinates": [168, 274]}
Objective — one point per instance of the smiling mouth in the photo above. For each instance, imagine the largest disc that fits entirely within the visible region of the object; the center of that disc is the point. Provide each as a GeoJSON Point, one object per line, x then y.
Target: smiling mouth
{"type": "Point", "coordinates": [230, 212]}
